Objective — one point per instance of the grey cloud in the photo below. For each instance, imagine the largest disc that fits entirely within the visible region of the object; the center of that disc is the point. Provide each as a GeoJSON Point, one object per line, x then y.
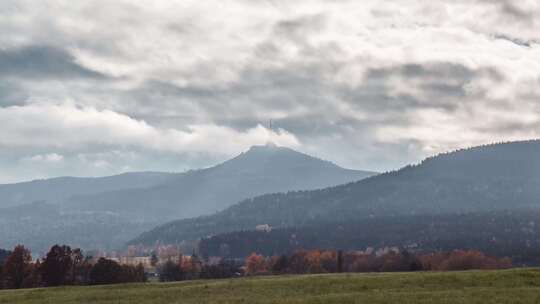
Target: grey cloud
{"type": "Point", "coordinates": [442, 85]}
{"type": "Point", "coordinates": [512, 8]}
{"type": "Point", "coordinates": [11, 94]}
{"type": "Point", "coordinates": [517, 41]}
{"type": "Point", "coordinates": [42, 62]}
{"type": "Point", "coordinates": [297, 28]}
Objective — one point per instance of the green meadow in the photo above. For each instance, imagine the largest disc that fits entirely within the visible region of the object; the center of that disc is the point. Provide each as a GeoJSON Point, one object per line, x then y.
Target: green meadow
{"type": "Point", "coordinates": [503, 286]}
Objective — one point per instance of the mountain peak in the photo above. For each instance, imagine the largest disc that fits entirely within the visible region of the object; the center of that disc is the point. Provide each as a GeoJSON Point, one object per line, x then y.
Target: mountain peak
{"type": "Point", "coordinates": [268, 146]}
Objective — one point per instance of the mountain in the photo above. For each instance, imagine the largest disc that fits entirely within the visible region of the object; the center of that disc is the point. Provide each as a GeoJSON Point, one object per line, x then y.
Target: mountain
{"type": "Point", "coordinates": [514, 234]}
{"type": "Point", "coordinates": [40, 225]}
{"type": "Point", "coordinates": [58, 190]}
{"type": "Point", "coordinates": [494, 177]}
{"type": "Point", "coordinates": [262, 169]}
{"type": "Point", "coordinates": [104, 213]}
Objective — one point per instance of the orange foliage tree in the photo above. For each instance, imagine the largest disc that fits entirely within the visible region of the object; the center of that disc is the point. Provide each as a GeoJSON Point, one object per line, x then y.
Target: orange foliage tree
{"type": "Point", "coordinates": [256, 264]}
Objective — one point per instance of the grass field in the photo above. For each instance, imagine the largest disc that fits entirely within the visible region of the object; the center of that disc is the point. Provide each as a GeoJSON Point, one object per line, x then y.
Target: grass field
{"type": "Point", "coordinates": [507, 286]}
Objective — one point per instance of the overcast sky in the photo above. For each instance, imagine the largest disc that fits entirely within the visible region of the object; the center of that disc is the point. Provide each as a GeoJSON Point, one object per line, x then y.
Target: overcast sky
{"type": "Point", "coordinates": [100, 87]}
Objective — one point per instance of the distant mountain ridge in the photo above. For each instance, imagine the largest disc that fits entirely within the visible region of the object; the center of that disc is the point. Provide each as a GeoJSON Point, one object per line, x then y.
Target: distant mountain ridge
{"type": "Point", "coordinates": [57, 190]}
{"type": "Point", "coordinates": [104, 213]}
{"type": "Point", "coordinates": [492, 177]}
{"type": "Point", "coordinates": [262, 169]}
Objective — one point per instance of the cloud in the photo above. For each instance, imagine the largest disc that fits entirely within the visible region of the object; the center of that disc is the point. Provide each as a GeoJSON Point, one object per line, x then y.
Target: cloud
{"type": "Point", "coordinates": [67, 127]}
{"type": "Point", "coordinates": [42, 62]}
{"type": "Point", "coordinates": [155, 84]}
{"type": "Point", "coordinates": [48, 158]}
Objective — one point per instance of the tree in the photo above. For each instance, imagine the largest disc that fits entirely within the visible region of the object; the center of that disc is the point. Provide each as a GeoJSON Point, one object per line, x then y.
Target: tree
{"type": "Point", "coordinates": [298, 262]}
{"type": "Point", "coordinates": [3, 255]}
{"type": "Point", "coordinates": [328, 261]}
{"type": "Point", "coordinates": [170, 272]}
{"type": "Point", "coordinates": [255, 264]}
{"type": "Point", "coordinates": [279, 264]}
{"type": "Point", "coordinates": [140, 274]}
{"type": "Point", "coordinates": [105, 272]}
{"type": "Point", "coordinates": [79, 273]}
{"type": "Point", "coordinates": [192, 267]}
{"type": "Point", "coordinates": [224, 269]}
{"type": "Point", "coordinates": [340, 261]}
{"type": "Point", "coordinates": [17, 267]}
{"type": "Point", "coordinates": [154, 259]}
{"type": "Point", "coordinates": [57, 268]}
{"type": "Point", "coordinates": [34, 276]}
{"type": "Point", "coordinates": [1, 275]}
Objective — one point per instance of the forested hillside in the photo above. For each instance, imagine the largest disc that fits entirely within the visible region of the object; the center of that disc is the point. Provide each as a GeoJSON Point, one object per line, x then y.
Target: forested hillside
{"type": "Point", "coordinates": [514, 234]}
{"type": "Point", "coordinates": [487, 178]}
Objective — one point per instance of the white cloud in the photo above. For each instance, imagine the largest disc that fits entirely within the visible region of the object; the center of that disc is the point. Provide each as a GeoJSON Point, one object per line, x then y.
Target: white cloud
{"type": "Point", "coordinates": [72, 128]}
{"type": "Point", "coordinates": [199, 77]}
{"type": "Point", "coordinates": [48, 158]}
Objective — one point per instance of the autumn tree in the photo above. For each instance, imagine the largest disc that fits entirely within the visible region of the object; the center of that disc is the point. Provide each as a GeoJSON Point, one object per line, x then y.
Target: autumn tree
{"type": "Point", "coordinates": [313, 259]}
{"type": "Point", "coordinates": [17, 268]}
{"type": "Point", "coordinates": [279, 264]}
{"type": "Point", "coordinates": [298, 262]}
{"type": "Point", "coordinates": [34, 276]}
{"type": "Point", "coordinates": [255, 264]}
{"type": "Point", "coordinates": [365, 263]}
{"type": "Point", "coordinates": [328, 261]}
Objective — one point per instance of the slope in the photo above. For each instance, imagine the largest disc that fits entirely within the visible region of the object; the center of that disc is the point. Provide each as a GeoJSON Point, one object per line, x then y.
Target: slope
{"type": "Point", "coordinates": [494, 177]}
{"type": "Point", "coordinates": [57, 190]}
{"type": "Point", "coordinates": [262, 169]}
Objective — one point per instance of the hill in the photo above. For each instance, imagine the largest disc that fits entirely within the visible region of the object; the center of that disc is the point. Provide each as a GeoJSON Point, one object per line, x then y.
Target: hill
{"type": "Point", "coordinates": [57, 190]}
{"type": "Point", "coordinates": [40, 225]}
{"type": "Point", "coordinates": [514, 234]}
{"type": "Point", "coordinates": [502, 286]}
{"type": "Point", "coordinates": [104, 213]}
{"type": "Point", "coordinates": [494, 177]}
{"type": "Point", "coordinates": [262, 169]}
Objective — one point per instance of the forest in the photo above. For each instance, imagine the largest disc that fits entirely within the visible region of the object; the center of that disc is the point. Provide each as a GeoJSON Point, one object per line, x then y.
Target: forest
{"type": "Point", "coordinates": [515, 234]}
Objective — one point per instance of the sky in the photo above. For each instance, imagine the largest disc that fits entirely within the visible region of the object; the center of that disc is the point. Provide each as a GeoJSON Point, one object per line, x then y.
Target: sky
{"type": "Point", "coordinates": [92, 88]}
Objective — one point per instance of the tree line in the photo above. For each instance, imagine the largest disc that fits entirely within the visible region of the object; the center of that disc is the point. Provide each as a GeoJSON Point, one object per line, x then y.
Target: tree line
{"type": "Point", "coordinates": [194, 268]}
{"type": "Point", "coordinates": [63, 266]}
{"type": "Point", "coordinates": [327, 261]}
{"type": "Point", "coordinates": [331, 261]}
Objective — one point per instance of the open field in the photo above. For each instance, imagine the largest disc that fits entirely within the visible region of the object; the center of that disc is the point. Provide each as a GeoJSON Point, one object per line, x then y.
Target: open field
{"type": "Point", "coordinates": [508, 286]}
